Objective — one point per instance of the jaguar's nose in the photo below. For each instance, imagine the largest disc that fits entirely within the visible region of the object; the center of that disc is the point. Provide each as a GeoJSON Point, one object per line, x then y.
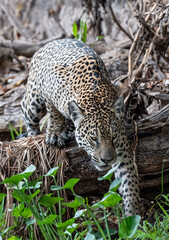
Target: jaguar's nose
{"type": "Point", "coordinates": [106, 161]}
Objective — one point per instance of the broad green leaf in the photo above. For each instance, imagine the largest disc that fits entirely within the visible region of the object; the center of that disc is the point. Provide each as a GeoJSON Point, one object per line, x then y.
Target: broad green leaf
{"type": "Point", "coordinates": [71, 228]}
{"type": "Point", "coordinates": [79, 213]}
{"type": "Point", "coordinates": [15, 179]}
{"type": "Point", "coordinates": [74, 29]}
{"type": "Point", "coordinates": [48, 220]}
{"type": "Point", "coordinates": [76, 203]}
{"type": "Point", "coordinates": [22, 196]}
{"type": "Point", "coordinates": [90, 236]}
{"type": "Point", "coordinates": [26, 213]}
{"type": "Point", "coordinates": [52, 172]}
{"type": "Point", "coordinates": [110, 200]}
{"type": "Point", "coordinates": [48, 201]}
{"type": "Point", "coordinates": [68, 185]}
{"type": "Point", "coordinates": [109, 174]}
{"type": "Point", "coordinates": [111, 232]}
{"type": "Point", "coordinates": [30, 222]}
{"type": "Point", "coordinates": [17, 211]}
{"type": "Point", "coordinates": [14, 238]}
{"type": "Point", "coordinates": [18, 195]}
{"type": "Point", "coordinates": [115, 184]}
{"type": "Point", "coordinates": [2, 196]}
{"type": "Point", "coordinates": [64, 225]}
{"type": "Point", "coordinates": [71, 183]}
{"type": "Point", "coordinates": [128, 226]}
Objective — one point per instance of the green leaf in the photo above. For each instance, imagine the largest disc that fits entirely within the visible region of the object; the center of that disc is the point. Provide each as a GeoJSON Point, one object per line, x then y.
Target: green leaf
{"type": "Point", "coordinates": [79, 213]}
{"type": "Point", "coordinates": [11, 131]}
{"type": "Point", "coordinates": [68, 185]}
{"type": "Point", "coordinates": [2, 196]}
{"type": "Point", "coordinates": [71, 229]}
{"type": "Point", "coordinates": [115, 184]}
{"type": "Point", "coordinates": [110, 200]}
{"type": "Point", "coordinates": [76, 203]}
{"type": "Point", "coordinates": [109, 174]}
{"type": "Point", "coordinates": [52, 172]}
{"type": "Point", "coordinates": [84, 32]}
{"type": "Point", "coordinates": [30, 222]}
{"type": "Point", "coordinates": [15, 179]}
{"type": "Point", "coordinates": [17, 211]}
{"type": "Point", "coordinates": [128, 226]}
{"type": "Point", "coordinates": [74, 30]}
{"type": "Point", "coordinates": [111, 232]}
{"type": "Point", "coordinates": [90, 236]}
{"type": "Point", "coordinates": [26, 213]}
{"type": "Point", "coordinates": [14, 238]}
{"type": "Point", "coordinates": [22, 196]}
{"type": "Point", "coordinates": [48, 220]}
{"type": "Point", "coordinates": [48, 201]}
{"type": "Point", "coordinates": [64, 225]}
{"type": "Point", "coordinates": [71, 183]}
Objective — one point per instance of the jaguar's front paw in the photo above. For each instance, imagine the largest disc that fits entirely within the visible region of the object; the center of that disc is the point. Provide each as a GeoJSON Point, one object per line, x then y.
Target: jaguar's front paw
{"type": "Point", "coordinates": [54, 140]}
{"type": "Point", "coordinates": [51, 139]}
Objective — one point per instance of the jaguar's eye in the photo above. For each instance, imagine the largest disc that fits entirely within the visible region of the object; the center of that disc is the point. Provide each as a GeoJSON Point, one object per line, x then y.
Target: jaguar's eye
{"type": "Point", "coordinates": [94, 139]}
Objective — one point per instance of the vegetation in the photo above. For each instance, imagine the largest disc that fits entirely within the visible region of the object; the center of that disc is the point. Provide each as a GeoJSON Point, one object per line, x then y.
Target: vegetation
{"type": "Point", "coordinates": [47, 212]}
{"type": "Point", "coordinates": [81, 35]}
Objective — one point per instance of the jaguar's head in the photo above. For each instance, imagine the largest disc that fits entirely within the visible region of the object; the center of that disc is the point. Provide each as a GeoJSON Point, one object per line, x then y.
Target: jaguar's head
{"type": "Point", "coordinates": [97, 135]}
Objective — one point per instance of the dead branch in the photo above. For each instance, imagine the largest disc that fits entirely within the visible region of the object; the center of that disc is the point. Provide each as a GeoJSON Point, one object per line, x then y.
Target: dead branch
{"type": "Point", "coordinates": [25, 48]}
{"type": "Point", "coordinates": [118, 24]}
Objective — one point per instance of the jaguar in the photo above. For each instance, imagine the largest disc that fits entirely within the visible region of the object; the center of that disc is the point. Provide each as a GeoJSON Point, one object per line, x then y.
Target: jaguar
{"type": "Point", "coordinates": [69, 81]}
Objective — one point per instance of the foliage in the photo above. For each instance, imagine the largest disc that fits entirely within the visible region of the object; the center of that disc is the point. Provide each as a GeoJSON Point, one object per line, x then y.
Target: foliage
{"type": "Point", "coordinates": [13, 130]}
{"type": "Point", "coordinates": [47, 210]}
{"type": "Point", "coordinates": [82, 34]}
{"type": "Point", "coordinates": [160, 229]}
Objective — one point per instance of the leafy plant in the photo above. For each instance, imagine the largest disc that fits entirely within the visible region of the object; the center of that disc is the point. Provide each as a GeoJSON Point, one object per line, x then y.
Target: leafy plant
{"type": "Point", "coordinates": [47, 210]}
{"type": "Point", "coordinates": [13, 130]}
{"type": "Point", "coordinates": [160, 228]}
{"type": "Point", "coordinates": [80, 35]}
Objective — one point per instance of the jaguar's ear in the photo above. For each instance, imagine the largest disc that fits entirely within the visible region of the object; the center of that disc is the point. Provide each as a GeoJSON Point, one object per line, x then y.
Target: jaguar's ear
{"type": "Point", "coordinates": [118, 107]}
{"type": "Point", "coordinates": [75, 113]}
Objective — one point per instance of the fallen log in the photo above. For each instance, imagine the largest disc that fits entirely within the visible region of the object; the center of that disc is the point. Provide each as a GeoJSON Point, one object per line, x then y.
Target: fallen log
{"type": "Point", "coordinates": [149, 143]}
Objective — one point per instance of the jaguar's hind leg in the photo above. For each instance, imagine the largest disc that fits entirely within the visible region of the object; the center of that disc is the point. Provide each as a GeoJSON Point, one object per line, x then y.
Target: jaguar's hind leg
{"type": "Point", "coordinates": [56, 133]}
{"type": "Point", "coordinates": [32, 110]}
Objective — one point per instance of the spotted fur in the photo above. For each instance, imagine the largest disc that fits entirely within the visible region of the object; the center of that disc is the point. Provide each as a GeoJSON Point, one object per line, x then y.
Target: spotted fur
{"type": "Point", "coordinates": [70, 81]}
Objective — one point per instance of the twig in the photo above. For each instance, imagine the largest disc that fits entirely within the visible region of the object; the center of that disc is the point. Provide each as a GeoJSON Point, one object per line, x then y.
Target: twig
{"type": "Point", "coordinates": [135, 42]}
{"type": "Point", "coordinates": [118, 24]}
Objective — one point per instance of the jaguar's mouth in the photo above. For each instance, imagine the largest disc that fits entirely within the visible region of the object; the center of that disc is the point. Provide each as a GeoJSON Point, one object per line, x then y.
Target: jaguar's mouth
{"type": "Point", "coordinates": [103, 165]}
{"type": "Point", "coordinates": [100, 165]}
